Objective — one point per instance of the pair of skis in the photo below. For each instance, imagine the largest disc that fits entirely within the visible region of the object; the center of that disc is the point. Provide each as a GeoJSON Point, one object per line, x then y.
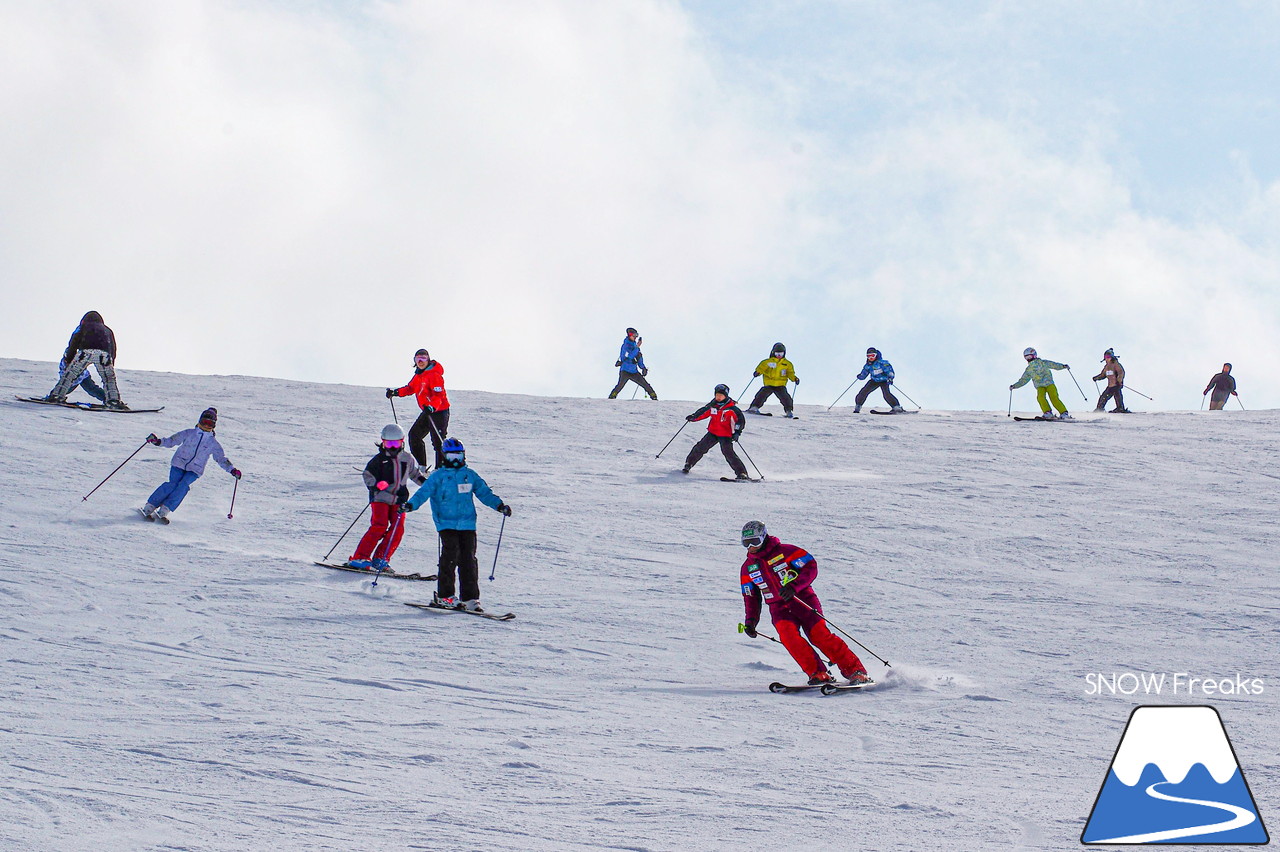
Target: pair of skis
{"type": "Point", "coordinates": [88, 406]}
{"type": "Point", "coordinates": [829, 688]}
{"type": "Point", "coordinates": [392, 575]}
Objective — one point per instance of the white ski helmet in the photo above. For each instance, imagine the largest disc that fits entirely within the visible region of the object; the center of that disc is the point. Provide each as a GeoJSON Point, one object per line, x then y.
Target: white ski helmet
{"type": "Point", "coordinates": [392, 432]}
{"type": "Point", "coordinates": [754, 533]}
{"type": "Point", "coordinates": [1029, 353]}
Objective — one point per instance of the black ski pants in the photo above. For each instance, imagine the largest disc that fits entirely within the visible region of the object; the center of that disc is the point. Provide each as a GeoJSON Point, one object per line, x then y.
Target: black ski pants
{"type": "Point", "coordinates": [1116, 393]}
{"type": "Point", "coordinates": [458, 551]}
{"type": "Point", "coordinates": [435, 424]}
{"type": "Point", "coordinates": [726, 446]}
{"type": "Point", "coordinates": [624, 377]}
{"type": "Point", "coordinates": [872, 385]}
{"type": "Point", "coordinates": [780, 391]}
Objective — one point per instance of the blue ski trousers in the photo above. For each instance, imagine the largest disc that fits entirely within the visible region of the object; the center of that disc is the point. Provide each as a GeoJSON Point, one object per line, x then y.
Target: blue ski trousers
{"type": "Point", "coordinates": [173, 492]}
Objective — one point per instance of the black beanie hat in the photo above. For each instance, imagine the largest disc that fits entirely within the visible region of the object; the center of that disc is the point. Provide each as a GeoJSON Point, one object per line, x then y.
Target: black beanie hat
{"type": "Point", "coordinates": [210, 414]}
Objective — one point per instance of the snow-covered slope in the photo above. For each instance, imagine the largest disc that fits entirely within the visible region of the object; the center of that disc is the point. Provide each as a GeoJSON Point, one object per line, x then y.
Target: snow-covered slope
{"type": "Point", "coordinates": [205, 686]}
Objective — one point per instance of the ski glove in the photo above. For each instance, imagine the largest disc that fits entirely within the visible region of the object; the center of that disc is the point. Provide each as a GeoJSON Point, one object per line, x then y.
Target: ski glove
{"type": "Point", "coordinates": [750, 629]}
{"type": "Point", "coordinates": [617, 363]}
{"type": "Point", "coordinates": [504, 510]}
{"type": "Point", "coordinates": [235, 471]}
{"type": "Point", "coordinates": [690, 418]}
{"type": "Point", "coordinates": [644, 371]}
{"type": "Point", "coordinates": [152, 439]}
{"type": "Point", "coordinates": [787, 593]}
{"type": "Point", "coordinates": [406, 507]}
{"type": "Point", "coordinates": [390, 393]}
{"type": "Point", "coordinates": [794, 379]}
{"type": "Point", "coordinates": [430, 409]}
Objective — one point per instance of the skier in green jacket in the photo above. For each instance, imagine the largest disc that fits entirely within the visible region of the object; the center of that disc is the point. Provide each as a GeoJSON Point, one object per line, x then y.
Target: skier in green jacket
{"type": "Point", "coordinates": [1039, 372]}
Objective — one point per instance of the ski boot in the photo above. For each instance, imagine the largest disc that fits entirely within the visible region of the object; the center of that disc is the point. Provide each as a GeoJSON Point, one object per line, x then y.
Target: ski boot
{"type": "Point", "coordinates": [653, 396]}
{"type": "Point", "coordinates": [820, 678]}
{"type": "Point", "coordinates": [1100, 409]}
{"type": "Point", "coordinates": [753, 410]}
{"type": "Point", "coordinates": [448, 602]}
{"type": "Point", "coordinates": [161, 514]}
{"type": "Point", "coordinates": [684, 469]}
{"type": "Point", "coordinates": [897, 409]}
{"type": "Point", "coordinates": [148, 511]}
{"type": "Point", "coordinates": [1048, 415]}
{"type": "Point", "coordinates": [857, 409]}
{"type": "Point", "coordinates": [1066, 415]}
{"type": "Point", "coordinates": [743, 476]}
{"type": "Point", "coordinates": [859, 676]}
{"type": "Point", "coordinates": [380, 565]}
{"type": "Point", "coordinates": [789, 415]}
{"type": "Point", "coordinates": [359, 563]}
{"type": "Point", "coordinates": [116, 405]}
{"type": "Point", "coordinates": [470, 606]}
{"type": "Point", "coordinates": [55, 398]}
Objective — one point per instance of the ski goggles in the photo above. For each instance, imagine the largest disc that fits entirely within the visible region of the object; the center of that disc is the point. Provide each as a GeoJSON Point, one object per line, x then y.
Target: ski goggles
{"type": "Point", "coordinates": [207, 425]}
{"type": "Point", "coordinates": [871, 356]}
{"type": "Point", "coordinates": [752, 540]}
{"type": "Point", "coordinates": [455, 457]}
{"type": "Point", "coordinates": [393, 445]}
{"type": "Point", "coordinates": [421, 359]}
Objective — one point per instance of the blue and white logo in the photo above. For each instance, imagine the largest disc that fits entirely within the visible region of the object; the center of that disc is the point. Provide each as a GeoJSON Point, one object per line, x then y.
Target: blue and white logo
{"type": "Point", "coordinates": [1175, 779]}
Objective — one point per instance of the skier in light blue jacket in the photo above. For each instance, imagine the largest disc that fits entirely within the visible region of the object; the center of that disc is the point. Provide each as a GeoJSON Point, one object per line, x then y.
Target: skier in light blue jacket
{"type": "Point", "coordinates": [195, 446]}
{"type": "Point", "coordinates": [452, 490]}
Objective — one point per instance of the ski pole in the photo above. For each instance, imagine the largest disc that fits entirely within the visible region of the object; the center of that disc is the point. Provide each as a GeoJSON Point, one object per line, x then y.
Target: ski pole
{"type": "Point", "coordinates": [494, 570]}
{"type": "Point", "coordinates": [1010, 414]}
{"type": "Point", "coordinates": [904, 393]}
{"type": "Point", "coordinates": [842, 393]}
{"type": "Point", "coordinates": [837, 627]}
{"type": "Point", "coordinates": [635, 391]}
{"type": "Point", "coordinates": [1073, 378]}
{"type": "Point", "coordinates": [344, 535]}
{"type": "Point", "coordinates": [748, 387]}
{"type": "Point", "coordinates": [1139, 393]}
{"type": "Point", "coordinates": [673, 437]}
{"type": "Point", "coordinates": [394, 418]}
{"type": "Point", "coordinates": [748, 455]}
{"type": "Point", "coordinates": [114, 472]}
{"type": "Point", "coordinates": [235, 488]}
{"type": "Point", "coordinates": [1202, 399]}
{"type": "Point", "coordinates": [1237, 396]}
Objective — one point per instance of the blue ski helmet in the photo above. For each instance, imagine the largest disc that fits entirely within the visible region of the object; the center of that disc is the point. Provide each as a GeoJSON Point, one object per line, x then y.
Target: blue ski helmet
{"type": "Point", "coordinates": [455, 455]}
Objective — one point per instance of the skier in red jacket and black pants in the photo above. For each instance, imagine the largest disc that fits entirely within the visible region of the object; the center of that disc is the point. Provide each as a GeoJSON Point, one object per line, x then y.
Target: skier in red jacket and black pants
{"type": "Point", "coordinates": [725, 424]}
{"type": "Point", "coordinates": [427, 385]}
{"type": "Point", "coordinates": [782, 576]}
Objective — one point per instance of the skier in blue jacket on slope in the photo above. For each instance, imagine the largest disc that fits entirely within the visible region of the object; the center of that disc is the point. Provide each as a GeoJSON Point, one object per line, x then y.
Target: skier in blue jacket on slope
{"type": "Point", "coordinates": [881, 373]}
{"type": "Point", "coordinates": [452, 490]}
{"type": "Point", "coordinates": [195, 446]}
{"type": "Point", "coordinates": [631, 366]}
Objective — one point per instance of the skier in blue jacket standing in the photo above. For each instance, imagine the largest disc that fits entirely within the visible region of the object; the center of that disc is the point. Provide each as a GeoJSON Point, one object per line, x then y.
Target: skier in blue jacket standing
{"type": "Point", "coordinates": [452, 489]}
{"type": "Point", "coordinates": [631, 366]}
{"type": "Point", "coordinates": [880, 372]}
{"type": "Point", "coordinates": [195, 446]}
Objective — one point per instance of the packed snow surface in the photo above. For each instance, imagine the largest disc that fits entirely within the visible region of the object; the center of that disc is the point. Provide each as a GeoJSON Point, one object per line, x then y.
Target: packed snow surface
{"type": "Point", "coordinates": [204, 686]}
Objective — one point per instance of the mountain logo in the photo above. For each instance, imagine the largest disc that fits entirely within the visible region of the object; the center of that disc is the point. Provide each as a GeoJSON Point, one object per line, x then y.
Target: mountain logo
{"type": "Point", "coordinates": [1175, 779]}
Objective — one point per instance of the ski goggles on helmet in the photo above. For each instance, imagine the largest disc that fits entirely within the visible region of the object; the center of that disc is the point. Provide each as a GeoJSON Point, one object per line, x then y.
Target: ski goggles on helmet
{"type": "Point", "coordinates": [871, 356]}
{"type": "Point", "coordinates": [392, 444]}
{"type": "Point", "coordinates": [752, 540]}
{"type": "Point", "coordinates": [455, 457]}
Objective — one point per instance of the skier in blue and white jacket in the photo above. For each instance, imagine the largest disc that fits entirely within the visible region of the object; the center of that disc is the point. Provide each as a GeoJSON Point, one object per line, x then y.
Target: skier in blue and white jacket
{"type": "Point", "coordinates": [881, 373]}
{"type": "Point", "coordinates": [631, 366]}
{"type": "Point", "coordinates": [195, 447]}
{"type": "Point", "coordinates": [452, 490]}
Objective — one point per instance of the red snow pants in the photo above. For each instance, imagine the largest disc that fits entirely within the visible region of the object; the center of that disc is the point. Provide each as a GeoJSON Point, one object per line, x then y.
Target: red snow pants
{"type": "Point", "coordinates": [829, 643]}
{"type": "Point", "coordinates": [386, 528]}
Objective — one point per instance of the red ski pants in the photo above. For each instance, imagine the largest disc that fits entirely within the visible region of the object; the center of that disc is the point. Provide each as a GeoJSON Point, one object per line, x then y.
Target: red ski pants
{"type": "Point", "coordinates": [386, 528]}
{"type": "Point", "coordinates": [829, 643]}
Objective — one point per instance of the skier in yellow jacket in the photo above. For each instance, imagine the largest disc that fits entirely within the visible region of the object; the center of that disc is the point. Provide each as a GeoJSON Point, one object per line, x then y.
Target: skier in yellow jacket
{"type": "Point", "coordinates": [1039, 373]}
{"type": "Point", "coordinates": [777, 371]}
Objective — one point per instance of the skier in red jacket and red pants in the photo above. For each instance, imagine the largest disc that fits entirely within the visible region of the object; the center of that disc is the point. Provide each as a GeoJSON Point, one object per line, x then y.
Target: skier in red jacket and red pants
{"type": "Point", "coordinates": [782, 576]}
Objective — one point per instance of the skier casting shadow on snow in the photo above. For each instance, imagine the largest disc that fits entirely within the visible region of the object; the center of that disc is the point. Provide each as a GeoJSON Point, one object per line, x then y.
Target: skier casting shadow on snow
{"type": "Point", "coordinates": [195, 446]}
{"type": "Point", "coordinates": [92, 343]}
{"type": "Point", "coordinates": [86, 382]}
{"type": "Point", "coordinates": [725, 424]}
{"type": "Point", "coordinates": [427, 385]}
{"type": "Point", "coordinates": [782, 576]}
{"type": "Point", "coordinates": [1039, 371]}
{"type": "Point", "coordinates": [881, 373]}
{"type": "Point", "coordinates": [631, 366]}
{"type": "Point", "coordinates": [453, 489]}
{"type": "Point", "coordinates": [1223, 386]}
{"type": "Point", "coordinates": [777, 371]}
{"type": "Point", "coordinates": [1114, 374]}
{"type": "Point", "coordinates": [387, 476]}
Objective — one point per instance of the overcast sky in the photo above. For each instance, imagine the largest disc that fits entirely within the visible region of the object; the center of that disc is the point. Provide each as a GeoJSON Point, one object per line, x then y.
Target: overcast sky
{"type": "Point", "coordinates": [315, 190]}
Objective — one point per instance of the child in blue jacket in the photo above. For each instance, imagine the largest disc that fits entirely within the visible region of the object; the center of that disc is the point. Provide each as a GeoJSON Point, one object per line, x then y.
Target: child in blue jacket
{"type": "Point", "coordinates": [631, 366]}
{"type": "Point", "coordinates": [452, 489]}
{"type": "Point", "coordinates": [195, 446]}
{"type": "Point", "coordinates": [880, 372]}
